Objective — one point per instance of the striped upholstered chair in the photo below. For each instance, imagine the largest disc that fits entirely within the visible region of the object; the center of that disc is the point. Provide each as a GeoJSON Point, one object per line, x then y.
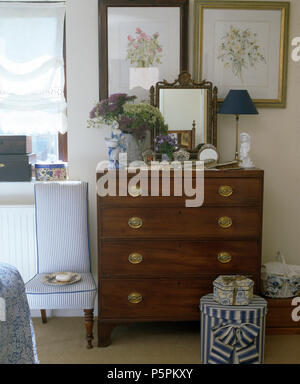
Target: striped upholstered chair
{"type": "Point", "coordinates": [63, 246]}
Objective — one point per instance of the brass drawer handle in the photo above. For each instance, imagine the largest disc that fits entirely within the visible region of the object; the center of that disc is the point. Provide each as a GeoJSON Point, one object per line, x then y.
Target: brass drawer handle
{"type": "Point", "coordinates": [135, 222]}
{"type": "Point", "coordinates": [2, 165]}
{"type": "Point", "coordinates": [134, 191]}
{"type": "Point", "coordinates": [225, 222]}
{"type": "Point", "coordinates": [135, 258]}
{"type": "Point", "coordinates": [135, 298]}
{"type": "Point", "coordinates": [224, 257]}
{"type": "Point", "coordinates": [225, 190]}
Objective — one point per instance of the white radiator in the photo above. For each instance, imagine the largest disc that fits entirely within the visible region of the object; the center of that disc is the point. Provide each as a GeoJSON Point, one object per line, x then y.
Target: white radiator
{"type": "Point", "coordinates": [17, 238]}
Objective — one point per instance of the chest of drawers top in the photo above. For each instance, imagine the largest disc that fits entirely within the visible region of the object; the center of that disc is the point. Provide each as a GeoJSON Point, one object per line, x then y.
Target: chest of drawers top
{"type": "Point", "coordinates": [221, 188]}
{"type": "Point", "coordinates": [231, 209]}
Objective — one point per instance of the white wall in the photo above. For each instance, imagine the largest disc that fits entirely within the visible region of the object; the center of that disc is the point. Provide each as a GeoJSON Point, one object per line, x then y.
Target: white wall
{"type": "Point", "coordinates": [86, 146]}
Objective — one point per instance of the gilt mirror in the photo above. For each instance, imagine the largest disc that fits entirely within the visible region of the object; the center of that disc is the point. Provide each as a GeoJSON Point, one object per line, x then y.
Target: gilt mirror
{"type": "Point", "coordinates": [189, 109]}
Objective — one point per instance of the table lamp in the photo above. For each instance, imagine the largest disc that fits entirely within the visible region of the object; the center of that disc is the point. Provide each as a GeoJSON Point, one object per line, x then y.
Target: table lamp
{"type": "Point", "coordinates": [238, 102]}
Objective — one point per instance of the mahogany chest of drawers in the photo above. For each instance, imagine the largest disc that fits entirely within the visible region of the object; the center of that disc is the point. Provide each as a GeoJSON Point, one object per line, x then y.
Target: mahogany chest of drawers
{"type": "Point", "coordinates": [157, 257]}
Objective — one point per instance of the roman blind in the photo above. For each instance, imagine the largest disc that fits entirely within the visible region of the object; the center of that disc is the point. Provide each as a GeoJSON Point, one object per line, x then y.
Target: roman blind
{"type": "Point", "coordinates": [32, 79]}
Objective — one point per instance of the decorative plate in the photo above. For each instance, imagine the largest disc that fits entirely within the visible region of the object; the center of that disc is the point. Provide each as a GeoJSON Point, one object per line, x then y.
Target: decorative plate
{"type": "Point", "coordinates": [50, 279]}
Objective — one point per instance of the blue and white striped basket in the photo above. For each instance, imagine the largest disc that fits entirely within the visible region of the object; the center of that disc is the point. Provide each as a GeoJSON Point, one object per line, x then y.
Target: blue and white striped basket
{"type": "Point", "coordinates": [231, 334]}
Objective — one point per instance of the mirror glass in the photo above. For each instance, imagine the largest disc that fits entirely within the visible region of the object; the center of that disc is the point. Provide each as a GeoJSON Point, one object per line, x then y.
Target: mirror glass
{"type": "Point", "coordinates": [182, 107]}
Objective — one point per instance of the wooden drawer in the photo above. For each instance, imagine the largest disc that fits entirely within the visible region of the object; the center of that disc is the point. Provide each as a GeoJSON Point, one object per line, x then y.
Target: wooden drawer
{"type": "Point", "coordinates": [217, 191]}
{"type": "Point", "coordinates": [180, 223]}
{"type": "Point", "coordinates": [279, 317]}
{"type": "Point", "coordinates": [173, 299]}
{"type": "Point", "coordinates": [166, 258]}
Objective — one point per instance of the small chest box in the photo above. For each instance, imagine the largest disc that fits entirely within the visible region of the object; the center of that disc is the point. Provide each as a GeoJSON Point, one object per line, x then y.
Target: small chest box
{"type": "Point", "coordinates": [233, 290]}
{"type": "Point", "coordinates": [16, 167]}
{"type": "Point", "coordinates": [15, 144]}
{"type": "Point", "coordinates": [231, 334]}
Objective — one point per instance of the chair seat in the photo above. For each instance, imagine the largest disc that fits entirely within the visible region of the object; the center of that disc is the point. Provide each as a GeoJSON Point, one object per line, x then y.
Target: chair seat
{"type": "Point", "coordinates": [80, 295]}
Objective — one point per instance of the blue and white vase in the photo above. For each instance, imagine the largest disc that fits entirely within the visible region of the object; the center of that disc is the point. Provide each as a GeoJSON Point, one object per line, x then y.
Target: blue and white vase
{"type": "Point", "coordinates": [115, 145]}
{"type": "Point", "coordinates": [113, 152]}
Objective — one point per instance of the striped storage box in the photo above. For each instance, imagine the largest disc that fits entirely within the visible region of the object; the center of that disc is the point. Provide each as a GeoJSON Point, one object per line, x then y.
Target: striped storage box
{"type": "Point", "coordinates": [231, 334]}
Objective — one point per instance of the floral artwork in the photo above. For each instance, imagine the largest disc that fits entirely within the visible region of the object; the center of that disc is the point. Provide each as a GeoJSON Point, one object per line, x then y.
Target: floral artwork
{"type": "Point", "coordinates": [144, 50]}
{"type": "Point", "coordinates": [239, 49]}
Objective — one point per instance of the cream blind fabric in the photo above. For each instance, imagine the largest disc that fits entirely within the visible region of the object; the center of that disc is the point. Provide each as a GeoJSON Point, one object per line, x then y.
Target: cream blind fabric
{"type": "Point", "coordinates": [32, 68]}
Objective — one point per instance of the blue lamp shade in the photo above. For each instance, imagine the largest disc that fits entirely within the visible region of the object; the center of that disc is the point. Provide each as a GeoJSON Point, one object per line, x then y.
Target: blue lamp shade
{"type": "Point", "coordinates": [238, 102]}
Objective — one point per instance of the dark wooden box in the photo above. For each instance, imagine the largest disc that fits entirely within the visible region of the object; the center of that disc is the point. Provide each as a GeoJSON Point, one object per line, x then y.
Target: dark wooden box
{"type": "Point", "coordinates": [16, 167]}
{"type": "Point", "coordinates": [15, 144]}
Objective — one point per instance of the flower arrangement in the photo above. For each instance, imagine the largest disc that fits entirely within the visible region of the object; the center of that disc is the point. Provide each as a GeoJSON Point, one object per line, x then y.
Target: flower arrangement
{"type": "Point", "coordinates": [240, 49]}
{"type": "Point", "coordinates": [142, 117]}
{"type": "Point", "coordinates": [165, 144]}
{"type": "Point", "coordinates": [144, 50]}
{"type": "Point", "coordinates": [108, 110]}
{"type": "Point", "coordinates": [136, 119]}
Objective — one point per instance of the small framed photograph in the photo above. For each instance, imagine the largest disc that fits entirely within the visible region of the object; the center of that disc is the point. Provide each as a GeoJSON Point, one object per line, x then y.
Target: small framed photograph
{"type": "Point", "coordinates": [184, 138]}
{"type": "Point", "coordinates": [138, 46]}
{"type": "Point", "coordinates": [243, 45]}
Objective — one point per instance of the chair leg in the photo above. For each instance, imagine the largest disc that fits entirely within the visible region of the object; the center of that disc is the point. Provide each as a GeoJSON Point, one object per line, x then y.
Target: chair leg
{"type": "Point", "coordinates": [44, 316]}
{"type": "Point", "coordinates": [89, 322]}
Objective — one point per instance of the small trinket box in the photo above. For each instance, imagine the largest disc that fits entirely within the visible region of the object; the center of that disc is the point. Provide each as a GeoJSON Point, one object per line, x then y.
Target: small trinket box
{"type": "Point", "coordinates": [51, 171]}
{"type": "Point", "coordinates": [233, 290]}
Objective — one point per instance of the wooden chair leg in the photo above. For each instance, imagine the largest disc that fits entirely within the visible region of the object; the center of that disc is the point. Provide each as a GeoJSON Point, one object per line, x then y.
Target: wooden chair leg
{"type": "Point", "coordinates": [89, 322]}
{"type": "Point", "coordinates": [44, 316]}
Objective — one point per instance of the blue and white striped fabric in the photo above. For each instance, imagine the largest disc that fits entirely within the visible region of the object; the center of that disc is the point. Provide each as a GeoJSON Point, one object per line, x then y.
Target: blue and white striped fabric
{"type": "Point", "coordinates": [76, 296]}
{"type": "Point", "coordinates": [62, 245]}
{"type": "Point", "coordinates": [232, 334]}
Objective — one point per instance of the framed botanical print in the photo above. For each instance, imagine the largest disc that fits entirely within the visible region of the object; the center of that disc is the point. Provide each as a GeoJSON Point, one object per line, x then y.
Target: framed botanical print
{"type": "Point", "coordinates": [243, 45]}
{"type": "Point", "coordinates": [140, 43]}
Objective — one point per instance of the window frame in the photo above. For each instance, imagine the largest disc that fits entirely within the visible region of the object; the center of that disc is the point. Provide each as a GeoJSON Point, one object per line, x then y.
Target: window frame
{"type": "Point", "coordinates": [63, 137]}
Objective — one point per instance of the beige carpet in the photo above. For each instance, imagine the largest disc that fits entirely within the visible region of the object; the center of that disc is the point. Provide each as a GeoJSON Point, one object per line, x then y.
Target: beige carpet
{"type": "Point", "coordinates": [62, 340]}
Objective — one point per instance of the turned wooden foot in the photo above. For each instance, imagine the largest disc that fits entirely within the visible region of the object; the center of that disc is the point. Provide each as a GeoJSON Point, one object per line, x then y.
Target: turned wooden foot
{"type": "Point", "coordinates": [104, 333]}
{"type": "Point", "coordinates": [89, 322]}
{"type": "Point", "coordinates": [44, 316]}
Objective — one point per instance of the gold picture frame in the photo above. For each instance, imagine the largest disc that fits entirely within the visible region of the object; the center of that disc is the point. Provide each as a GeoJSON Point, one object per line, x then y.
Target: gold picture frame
{"type": "Point", "coordinates": [279, 99]}
{"type": "Point", "coordinates": [185, 139]}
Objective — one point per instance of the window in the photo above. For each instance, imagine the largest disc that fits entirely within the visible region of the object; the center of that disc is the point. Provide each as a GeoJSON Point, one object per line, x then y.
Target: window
{"type": "Point", "coordinates": [32, 75]}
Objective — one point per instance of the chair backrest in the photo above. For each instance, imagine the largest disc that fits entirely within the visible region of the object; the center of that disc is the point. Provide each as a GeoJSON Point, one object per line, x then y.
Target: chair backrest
{"type": "Point", "coordinates": [62, 227]}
